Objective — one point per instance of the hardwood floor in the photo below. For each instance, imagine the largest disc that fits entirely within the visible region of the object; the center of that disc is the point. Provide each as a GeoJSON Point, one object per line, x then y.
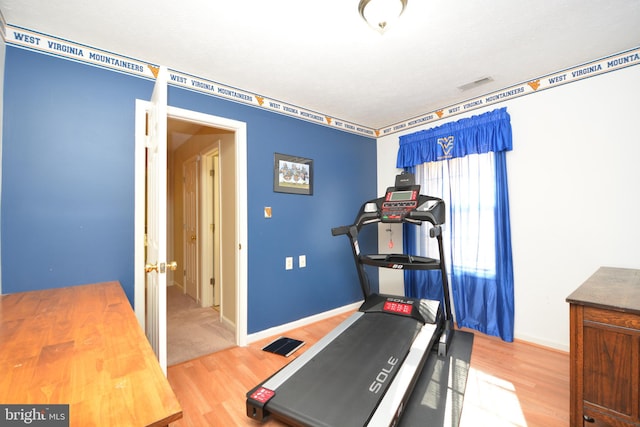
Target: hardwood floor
{"type": "Point", "coordinates": [516, 384]}
{"type": "Point", "coordinates": [510, 384]}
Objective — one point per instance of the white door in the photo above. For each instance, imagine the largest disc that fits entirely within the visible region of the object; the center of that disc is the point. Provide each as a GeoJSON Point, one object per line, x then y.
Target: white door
{"type": "Point", "coordinates": [190, 194]}
{"type": "Point", "coordinates": [156, 222]}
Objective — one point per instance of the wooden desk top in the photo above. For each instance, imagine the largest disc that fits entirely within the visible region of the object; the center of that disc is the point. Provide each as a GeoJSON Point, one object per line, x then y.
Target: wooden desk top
{"type": "Point", "coordinates": [610, 288]}
{"type": "Point", "coordinates": [82, 346]}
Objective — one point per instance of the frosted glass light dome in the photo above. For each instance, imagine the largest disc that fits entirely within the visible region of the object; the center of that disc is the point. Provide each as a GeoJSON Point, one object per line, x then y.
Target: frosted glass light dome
{"type": "Point", "coordinates": [380, 13]}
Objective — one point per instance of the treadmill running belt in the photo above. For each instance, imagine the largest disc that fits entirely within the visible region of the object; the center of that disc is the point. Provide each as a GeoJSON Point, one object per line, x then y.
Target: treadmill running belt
{"type": "Point", "coordinates": [342, 385]}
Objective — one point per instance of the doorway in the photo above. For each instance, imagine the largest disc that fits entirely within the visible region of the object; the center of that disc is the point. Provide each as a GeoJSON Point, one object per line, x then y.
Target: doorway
{"type": "Point", "coordinates": [201, 293]}
{"type": "Point", "coordinates": [237, 225]}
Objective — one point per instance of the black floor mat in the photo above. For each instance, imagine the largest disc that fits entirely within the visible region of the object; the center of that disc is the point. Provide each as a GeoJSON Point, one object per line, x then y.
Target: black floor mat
{"type": "Point", "coordinates": [284, 346]}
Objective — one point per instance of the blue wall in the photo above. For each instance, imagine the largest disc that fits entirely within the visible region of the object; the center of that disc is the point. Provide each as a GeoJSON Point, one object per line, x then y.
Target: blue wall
{"type": "Point", "coordinates": [67, 173]}
{"type": "Point", "coordinates": [67, 189]}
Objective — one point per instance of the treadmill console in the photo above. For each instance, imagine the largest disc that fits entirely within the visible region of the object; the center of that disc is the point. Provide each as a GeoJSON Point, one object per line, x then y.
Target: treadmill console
{"type": "Point", "coordinates": [398, 202]}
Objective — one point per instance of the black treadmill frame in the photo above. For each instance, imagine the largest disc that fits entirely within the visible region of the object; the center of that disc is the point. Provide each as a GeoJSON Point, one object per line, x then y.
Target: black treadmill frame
{"type": "Point", "coordinates": [426, 315]}
{"type": "Point", "coordinates": [428, 209]}
{"type": "Point", "coordinates": [436, 328]}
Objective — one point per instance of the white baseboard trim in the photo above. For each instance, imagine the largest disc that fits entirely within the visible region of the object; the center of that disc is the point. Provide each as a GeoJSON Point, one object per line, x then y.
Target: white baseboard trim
{"type": "Point", "coordinates": [282, 329]}
{"type": "Point", "coordinates": [542, 342]}
{"type": "Point", "coordinates": [227, 321]}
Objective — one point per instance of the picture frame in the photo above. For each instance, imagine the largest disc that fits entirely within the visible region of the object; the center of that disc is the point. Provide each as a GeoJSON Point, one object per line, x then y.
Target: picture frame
{"type": "Point", "coordinates": [292, 174]}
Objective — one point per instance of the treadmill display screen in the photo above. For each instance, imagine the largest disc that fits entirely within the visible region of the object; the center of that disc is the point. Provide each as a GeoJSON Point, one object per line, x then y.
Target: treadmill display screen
{"type": "Point", "coordinates": [399, 196]}
{"type": "Point", "coordinates": [397, 307]}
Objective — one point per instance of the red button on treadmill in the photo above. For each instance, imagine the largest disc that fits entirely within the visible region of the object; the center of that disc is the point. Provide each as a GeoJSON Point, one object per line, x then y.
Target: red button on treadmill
{"type": "Point", "coordinates": [262, 395]}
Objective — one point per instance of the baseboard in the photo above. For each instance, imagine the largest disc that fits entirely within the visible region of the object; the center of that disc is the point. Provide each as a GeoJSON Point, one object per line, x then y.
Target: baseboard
{"type": "Point", "coordinates": [227, 321]}
{"type": "Point", "coordinates": [537, 341]}
{"type": "Point", "coordinates": [529, 340]}
{"type": "Point", "coordinates": [282, 329]}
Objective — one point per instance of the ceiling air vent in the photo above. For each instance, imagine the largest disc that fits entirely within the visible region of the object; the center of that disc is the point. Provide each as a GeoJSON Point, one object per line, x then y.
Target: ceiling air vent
{"type": "Point", "coordinates": [475, 84]}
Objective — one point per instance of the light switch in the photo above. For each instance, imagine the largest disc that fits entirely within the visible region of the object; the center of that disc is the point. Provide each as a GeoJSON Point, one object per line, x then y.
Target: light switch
{"type": "Point", "coordinates": [302, 261]}
{"type": "Point", "coordinates": [288, 263]}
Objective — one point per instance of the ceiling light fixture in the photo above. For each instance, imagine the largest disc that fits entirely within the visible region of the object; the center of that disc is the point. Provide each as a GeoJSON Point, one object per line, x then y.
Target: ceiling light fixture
{"type": "Point", "coordinates": [380, 13]}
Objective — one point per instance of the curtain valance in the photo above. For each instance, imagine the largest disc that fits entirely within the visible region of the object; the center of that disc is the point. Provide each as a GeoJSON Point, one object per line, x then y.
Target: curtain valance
{"type": "Point", "coordinates": [488, 132]}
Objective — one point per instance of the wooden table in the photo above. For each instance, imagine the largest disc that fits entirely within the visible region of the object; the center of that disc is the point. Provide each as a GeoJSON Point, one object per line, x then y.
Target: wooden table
{"type": "Point", "coordinates": [82, 346]}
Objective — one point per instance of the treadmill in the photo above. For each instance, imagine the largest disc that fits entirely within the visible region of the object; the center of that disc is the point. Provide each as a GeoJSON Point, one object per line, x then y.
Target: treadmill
{"type": "Point", "coordinates": [363, 372]}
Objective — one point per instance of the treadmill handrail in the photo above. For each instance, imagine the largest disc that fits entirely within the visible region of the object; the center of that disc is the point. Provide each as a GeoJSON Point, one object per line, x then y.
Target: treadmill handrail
{"type": "Point", "coordinates": [338, 231]}
{"type": "Point", "coordinates": [400, 261]}
{"type": "Point", "coordinates": [428, 208]}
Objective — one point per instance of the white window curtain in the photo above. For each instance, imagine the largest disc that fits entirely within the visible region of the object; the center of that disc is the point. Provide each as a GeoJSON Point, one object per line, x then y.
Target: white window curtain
{"type": "Point", "coordinates": [466, 185]}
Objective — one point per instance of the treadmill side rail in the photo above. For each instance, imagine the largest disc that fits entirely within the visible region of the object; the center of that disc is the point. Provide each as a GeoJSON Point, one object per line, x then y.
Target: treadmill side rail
{"type": "Point", "coordinates": [276, 381]}
{"type": "Point", "coordinates": [259, 396]}
{"type": "Point", "coordinates": [392, 405]}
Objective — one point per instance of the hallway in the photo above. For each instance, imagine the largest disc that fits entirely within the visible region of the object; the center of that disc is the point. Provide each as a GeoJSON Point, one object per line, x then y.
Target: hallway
{"type": "Point", "coordinates": [193, 331]}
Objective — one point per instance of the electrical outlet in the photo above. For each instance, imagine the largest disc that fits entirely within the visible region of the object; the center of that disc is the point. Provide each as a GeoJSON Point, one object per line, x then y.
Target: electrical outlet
{"type": "Point", "coordinates": [288, 263]}
{"type": "Point", "coordinates": [302, 261]}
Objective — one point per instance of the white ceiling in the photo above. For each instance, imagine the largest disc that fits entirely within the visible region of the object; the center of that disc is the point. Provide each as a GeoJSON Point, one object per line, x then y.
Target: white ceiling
{"type": "Point", "coordinates": [321, 56]}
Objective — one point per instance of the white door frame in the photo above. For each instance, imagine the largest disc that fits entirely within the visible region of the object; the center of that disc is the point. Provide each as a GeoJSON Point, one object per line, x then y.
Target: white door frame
{"type": "Point", "coordinates": [210, 245]}
{"type": "Point", "coordinates": [240, 131]}
{"type": "Point", "coordinates": [185, 219]}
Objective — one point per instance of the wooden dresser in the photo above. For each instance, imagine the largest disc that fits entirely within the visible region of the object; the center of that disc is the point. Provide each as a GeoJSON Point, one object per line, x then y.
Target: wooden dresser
{"type": "Point", "coordinates": [605, 349]}
{"type": "Point", "coordinates": [82, 346]}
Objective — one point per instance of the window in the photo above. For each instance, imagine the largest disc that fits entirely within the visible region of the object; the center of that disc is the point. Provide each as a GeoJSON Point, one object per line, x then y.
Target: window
{"type": "Point", "coordinates": [464, 163]}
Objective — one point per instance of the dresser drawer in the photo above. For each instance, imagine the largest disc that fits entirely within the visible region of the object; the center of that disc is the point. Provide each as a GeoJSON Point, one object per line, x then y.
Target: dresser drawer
{"type": "Point", "coordinates": [594, 418]}
{"type": "Point", "coordinates": [613, 318]}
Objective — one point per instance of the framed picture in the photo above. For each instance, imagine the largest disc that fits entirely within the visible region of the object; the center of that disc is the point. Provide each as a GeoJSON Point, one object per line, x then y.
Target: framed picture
{"type": "Point", "coordinates": [292, 174]}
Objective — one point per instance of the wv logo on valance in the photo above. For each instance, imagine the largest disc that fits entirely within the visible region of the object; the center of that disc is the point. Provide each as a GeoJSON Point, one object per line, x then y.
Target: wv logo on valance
{"type": "Point", "coordinates": [447, 145]}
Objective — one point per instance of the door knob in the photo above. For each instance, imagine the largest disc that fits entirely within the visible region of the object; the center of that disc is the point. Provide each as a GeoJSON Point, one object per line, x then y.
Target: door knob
{"type": "Point", "coordinates": [193, 237]}
{"type": "Point", "coordinates": [162, 267]}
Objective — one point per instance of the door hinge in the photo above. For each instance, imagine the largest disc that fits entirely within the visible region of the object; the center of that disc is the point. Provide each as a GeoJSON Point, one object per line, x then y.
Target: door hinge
{"type": "Point", "coordinates": [212, 281]}
{"type": "Point", "coordinates": [211, 172]}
